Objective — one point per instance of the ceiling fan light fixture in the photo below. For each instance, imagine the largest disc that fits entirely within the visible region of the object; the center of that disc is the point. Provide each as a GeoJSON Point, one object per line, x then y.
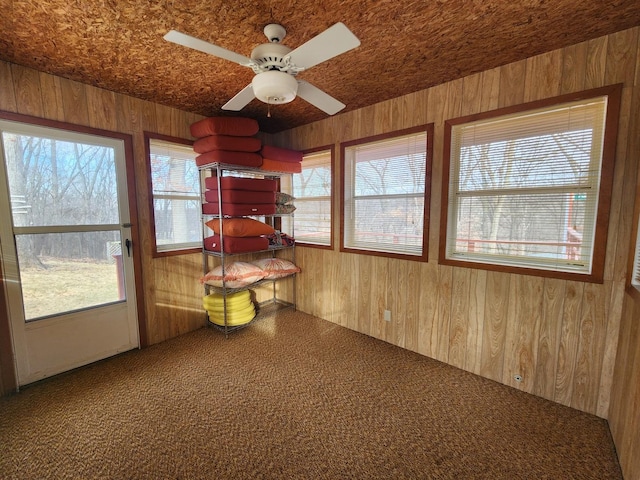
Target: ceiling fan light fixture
{"type": "Point", "coordinates": [274, 87]}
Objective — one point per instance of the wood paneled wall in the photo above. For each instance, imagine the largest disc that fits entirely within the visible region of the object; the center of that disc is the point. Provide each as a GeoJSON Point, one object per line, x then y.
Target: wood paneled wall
{"type": "Point", "coordinates": [624, 414]}
{"type": "Point", "coordinates": [172, 301]}
{"type": "Point", "coordinates": [561, 336]}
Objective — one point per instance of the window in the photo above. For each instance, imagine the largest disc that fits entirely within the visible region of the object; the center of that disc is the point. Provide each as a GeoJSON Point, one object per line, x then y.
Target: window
{"type": "Point", "coordinates": [312, 190]}
{"type": "Point", "coordinates": [635, 276]}
{"type": "Point", "coordinates": [530, 189]}
{"type": "Point", "coordinates": [175, 185]}
{"type": "Point", "coordinates": [385, 194]}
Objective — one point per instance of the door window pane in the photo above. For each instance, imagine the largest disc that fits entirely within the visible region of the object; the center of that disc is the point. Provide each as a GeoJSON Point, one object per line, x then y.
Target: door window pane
{"type": "Point", "coordinates": [59, 182]}
{"type": "Point", "coordinates": [62, 272]}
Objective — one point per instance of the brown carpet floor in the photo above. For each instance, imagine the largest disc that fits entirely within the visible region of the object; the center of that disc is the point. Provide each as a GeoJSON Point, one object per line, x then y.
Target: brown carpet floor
{"type": "Point", "coordinates": [291, 397]}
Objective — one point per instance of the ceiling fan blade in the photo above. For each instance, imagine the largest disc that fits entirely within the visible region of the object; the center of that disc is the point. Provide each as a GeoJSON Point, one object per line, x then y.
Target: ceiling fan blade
{"type": "Point", "coordinates": [334, 41]}
{"type": "Point", "coordinates": [241, 99]}
{"type": "Point", "coordinates": [318, 98]}
{"type": "Point", "coordinates": [192, 42]}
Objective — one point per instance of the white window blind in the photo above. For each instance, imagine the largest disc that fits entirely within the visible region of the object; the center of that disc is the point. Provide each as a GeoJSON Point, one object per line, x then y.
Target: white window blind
{"type": "Point", "coordinates": [635, 276]}
{"type": "Point", "coordinates": [312, 192]}
{"type": "Point", "coordinates": [176, 196]}
{"type": "Point", "coordinates": [384, 194]}
{"type": "Point", "coordinates": [524, 188]}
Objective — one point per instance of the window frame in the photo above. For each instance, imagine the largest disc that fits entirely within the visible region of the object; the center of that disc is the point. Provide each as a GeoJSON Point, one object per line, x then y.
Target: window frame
{"type": "Point", "coordinates": [613, 93]}
{"type": "Point", "coordinates": [148, 136]}
{"type": "Point", "coordinates": [633, 286]}
{"type": "Point", "coordinates": [428, 130]}
{"type": "Point", "coordinates": [331, 150]}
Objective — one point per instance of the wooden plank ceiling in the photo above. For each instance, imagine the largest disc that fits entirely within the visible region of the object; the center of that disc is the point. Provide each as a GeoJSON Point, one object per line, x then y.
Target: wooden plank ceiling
{"type": "Point", "coordinates": [406, 45]}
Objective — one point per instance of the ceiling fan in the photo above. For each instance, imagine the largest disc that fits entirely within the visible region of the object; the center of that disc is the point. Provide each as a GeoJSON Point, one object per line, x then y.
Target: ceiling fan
{"type": "Point", "coordinates": [276, 65]}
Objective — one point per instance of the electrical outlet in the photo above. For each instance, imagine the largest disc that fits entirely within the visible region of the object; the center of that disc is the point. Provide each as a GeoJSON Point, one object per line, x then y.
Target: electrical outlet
{"type": "Point", "coordinates": [387, 315]}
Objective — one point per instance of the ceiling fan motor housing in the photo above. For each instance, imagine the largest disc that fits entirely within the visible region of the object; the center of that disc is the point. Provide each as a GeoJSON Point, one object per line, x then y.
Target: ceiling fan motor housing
{"type": "Point", "coordinates": [274, 87]}
{"type": "Point", "coordinates": [270, 56]}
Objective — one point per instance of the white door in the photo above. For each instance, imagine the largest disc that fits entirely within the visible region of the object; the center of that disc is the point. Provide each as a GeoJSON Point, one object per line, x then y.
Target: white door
{"type": "Point", "coordinates": [65, 248]}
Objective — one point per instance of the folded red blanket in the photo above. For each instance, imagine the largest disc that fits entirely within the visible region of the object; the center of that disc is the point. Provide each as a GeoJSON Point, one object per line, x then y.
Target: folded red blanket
{"type": "Point", "coordinates": [235, 126]}
{"type": "Point", "coordinates": [242, 183]}
{"type": "Point", "coordinates": [247, 159]}
{"type": "Point", "coordinates": [236, 244]}
{"type": "Point", "coordinates": [240, 196]}
{"type": "Point", "coordinates": [239, 210]}
{"type": "Point", "coordinates": [277, 166]}
{"type": "Point", "coordinates": [227, 142]}
{"type": "Point", "coordinates": [281, 154]}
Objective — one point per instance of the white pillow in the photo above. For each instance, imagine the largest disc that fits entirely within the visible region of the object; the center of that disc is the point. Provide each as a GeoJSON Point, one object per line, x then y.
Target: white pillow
{"type": "Point", "coordinates": [237, 274]}
{"type": "Point", "coordinates": [276, 267]}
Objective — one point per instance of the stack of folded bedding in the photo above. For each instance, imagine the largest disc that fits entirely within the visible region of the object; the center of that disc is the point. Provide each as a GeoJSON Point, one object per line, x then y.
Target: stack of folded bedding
{"type": "Point", "coordinates": [278, 159]}
{"type": "Point", "coordinates": [284, 203]}
{"type": "Point", "coordinates": [228, 140]}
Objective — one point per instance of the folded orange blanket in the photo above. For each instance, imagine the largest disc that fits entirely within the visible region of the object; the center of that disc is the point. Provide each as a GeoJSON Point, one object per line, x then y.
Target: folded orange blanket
{"type": "Point", "coordinates": [277, 166]}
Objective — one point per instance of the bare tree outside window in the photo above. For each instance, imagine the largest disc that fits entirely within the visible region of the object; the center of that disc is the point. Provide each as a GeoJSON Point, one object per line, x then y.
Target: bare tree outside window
{"type": "Point", "coordinates": [56, 182]}
{"type": "Point", "coordinates": [500, 214]}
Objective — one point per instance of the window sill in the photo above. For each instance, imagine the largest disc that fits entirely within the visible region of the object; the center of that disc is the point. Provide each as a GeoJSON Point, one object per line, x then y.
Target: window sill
{"type": "Point", "coordinates": [578, 277]}
{"type": "Point", "coordinates": [171, 253]}
{"type": "Point", "coordinates": [376, 253]}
